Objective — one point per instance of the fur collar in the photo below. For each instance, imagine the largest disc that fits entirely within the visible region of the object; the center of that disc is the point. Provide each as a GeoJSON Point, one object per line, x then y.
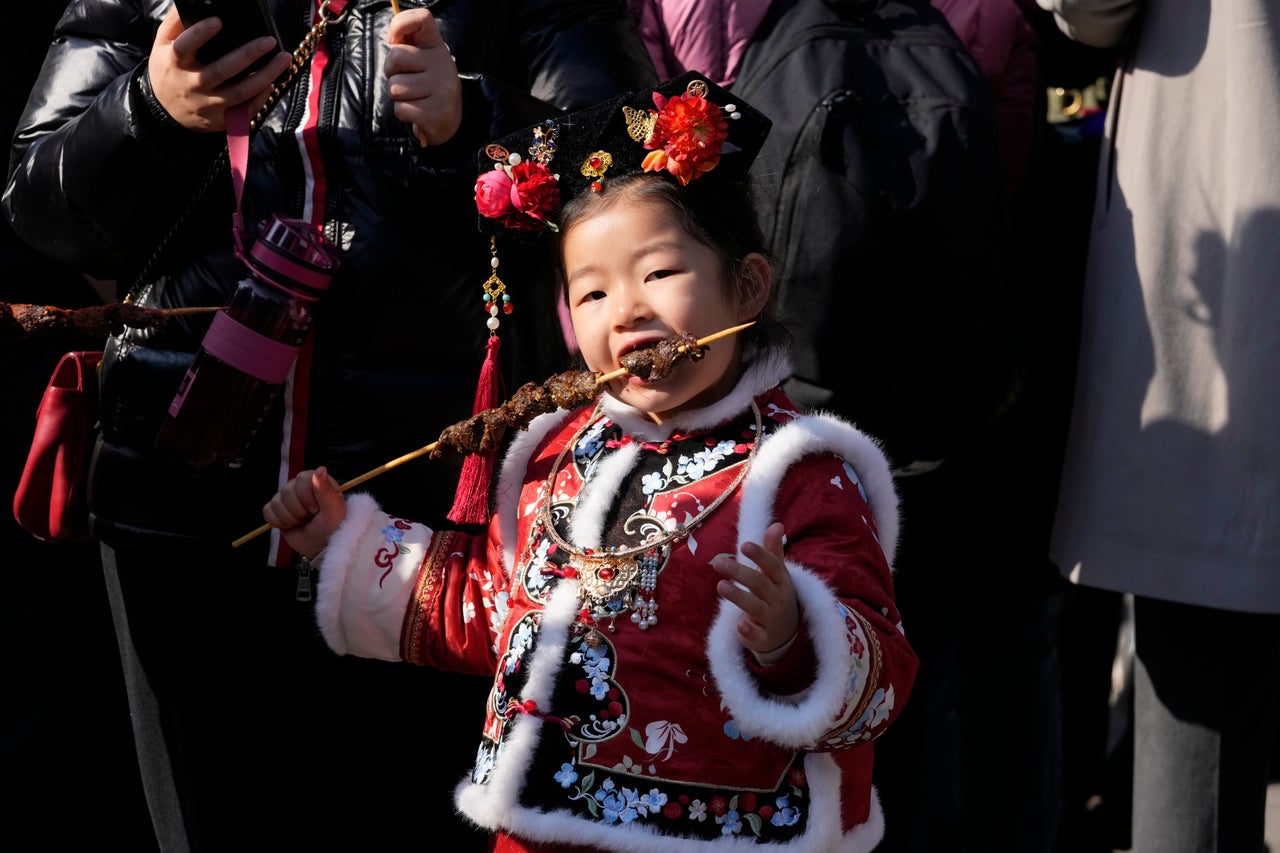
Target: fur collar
{"type": "Point", "coordinates": [765, 371]}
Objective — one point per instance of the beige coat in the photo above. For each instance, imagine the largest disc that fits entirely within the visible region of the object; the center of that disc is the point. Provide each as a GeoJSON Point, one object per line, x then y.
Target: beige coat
{"type": "Point", "coordinates": [1171, 485]}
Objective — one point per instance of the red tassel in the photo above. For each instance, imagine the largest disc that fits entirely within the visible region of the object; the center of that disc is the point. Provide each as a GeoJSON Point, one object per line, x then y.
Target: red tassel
{"type": "Point", "coordinates": [471, 500]}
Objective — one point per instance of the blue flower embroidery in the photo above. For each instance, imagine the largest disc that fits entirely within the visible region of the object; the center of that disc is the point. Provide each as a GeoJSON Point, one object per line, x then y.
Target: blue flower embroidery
{"type": "Point", "coordinates": [653, 801]}
{"type": "Point", "coordinates": [535, 580]}
{"type": "Point", "coordinates": [391, 533]}
{"type": "Point", "coordinates": [596, 664]}
{"type": "Point", "coordinates": [878, 711]}
{"type": "Point", "coordinates": [485, 758]}
{"type": "Point", "coordinates": [731, 823]}
{"type": "Point", "coordinates": [567, 776]}
{"type": "Point", "coordinates": [617, 805]}
{"type": "Point", "coordinates": [785, 815]}
{"type": "Point", "coordinates": [704, 461]}
{"type": "Point", "coordinates": [592, 441]}
{"type": "Point", "coordinates": [691, 468]}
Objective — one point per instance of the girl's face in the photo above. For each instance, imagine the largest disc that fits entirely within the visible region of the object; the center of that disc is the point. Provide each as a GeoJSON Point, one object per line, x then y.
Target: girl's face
{"type": "Point", "coordinates": [634, 277]}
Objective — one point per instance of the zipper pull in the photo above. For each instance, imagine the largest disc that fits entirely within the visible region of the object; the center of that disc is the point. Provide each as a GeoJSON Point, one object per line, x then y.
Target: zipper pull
{"type": "Point", "coordinates": [304, 579]}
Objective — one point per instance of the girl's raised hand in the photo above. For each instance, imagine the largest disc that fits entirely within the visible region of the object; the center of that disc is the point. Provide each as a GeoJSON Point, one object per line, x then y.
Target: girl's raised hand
{"type": "Point", "coordinates": [765, 595]}
{"type": "Point", "coordinates": [307, 509]}
{"type": "Point", "coordinates": [422, 78]}
{"type": "Point", "coordinates": [198, 96]}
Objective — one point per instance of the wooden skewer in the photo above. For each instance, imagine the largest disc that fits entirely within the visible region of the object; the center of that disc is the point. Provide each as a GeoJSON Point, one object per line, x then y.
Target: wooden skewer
{"type": "Point", "coordinates": [395, 7]}
{"type": "Point", "coordinates": [178, 312]}
{"type": "Point", "coordinates": [423, 451]}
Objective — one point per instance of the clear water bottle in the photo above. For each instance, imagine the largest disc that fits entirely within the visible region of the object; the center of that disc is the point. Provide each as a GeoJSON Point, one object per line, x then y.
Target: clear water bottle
{"type": "Point", "coordinates": [247, 352]}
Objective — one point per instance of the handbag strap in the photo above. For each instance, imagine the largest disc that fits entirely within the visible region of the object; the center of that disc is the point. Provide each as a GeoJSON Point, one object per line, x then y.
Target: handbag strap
{"type": "Point", "coordinates": [237, 149]}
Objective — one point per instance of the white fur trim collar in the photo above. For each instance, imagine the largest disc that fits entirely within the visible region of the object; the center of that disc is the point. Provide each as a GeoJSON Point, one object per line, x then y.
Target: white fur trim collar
{"type": "Point", "coordinates": [768, 369]}
{"type": "Point", "coordinates": [586, 523]}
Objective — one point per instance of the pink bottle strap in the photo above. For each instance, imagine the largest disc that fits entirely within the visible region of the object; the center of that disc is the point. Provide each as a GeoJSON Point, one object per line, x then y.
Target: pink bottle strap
{"type": "Point", "coordinates": [238, 120]}
{"type": "Point", "coordinates": [238, 148]}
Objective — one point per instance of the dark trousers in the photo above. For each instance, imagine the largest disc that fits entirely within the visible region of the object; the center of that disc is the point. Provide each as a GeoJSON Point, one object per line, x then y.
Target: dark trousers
{"type": "Point", "coordinates": [973, 763]}
{"type": "Point", "coordinates": [251, 734]}
{"type": "Point", "coordinates": [1205, 706]}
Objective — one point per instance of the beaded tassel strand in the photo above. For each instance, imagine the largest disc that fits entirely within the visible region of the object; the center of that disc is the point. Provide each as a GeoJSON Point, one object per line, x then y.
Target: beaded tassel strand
{"type": "Point", "coordinates": [645, 611]}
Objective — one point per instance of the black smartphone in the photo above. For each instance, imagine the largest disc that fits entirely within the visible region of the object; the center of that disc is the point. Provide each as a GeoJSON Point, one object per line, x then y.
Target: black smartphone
{"type": "Point", "coordinates": [243, 21]}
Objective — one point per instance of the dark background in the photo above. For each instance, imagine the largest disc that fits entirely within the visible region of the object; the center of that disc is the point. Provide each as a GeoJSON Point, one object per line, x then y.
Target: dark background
{"type": "Point", "coordinates": [70, 776]}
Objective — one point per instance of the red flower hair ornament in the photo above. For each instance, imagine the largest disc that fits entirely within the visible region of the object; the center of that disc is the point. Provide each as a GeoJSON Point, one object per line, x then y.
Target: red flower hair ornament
{"type": "Point", "coordinates": [688, 133]}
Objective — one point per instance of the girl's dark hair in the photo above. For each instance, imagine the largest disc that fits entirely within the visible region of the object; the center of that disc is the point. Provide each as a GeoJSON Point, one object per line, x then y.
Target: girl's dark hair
{"type": "Point", "coordinates": [721, 215]}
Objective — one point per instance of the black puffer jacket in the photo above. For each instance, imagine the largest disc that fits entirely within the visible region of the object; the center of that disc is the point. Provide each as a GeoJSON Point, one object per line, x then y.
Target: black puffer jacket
{"type": "Point", "coordinates": [99, 173]}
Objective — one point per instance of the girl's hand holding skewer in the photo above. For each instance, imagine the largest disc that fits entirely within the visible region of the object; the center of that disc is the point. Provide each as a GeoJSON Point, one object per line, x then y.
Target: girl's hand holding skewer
{"type": "Point", "coordinates": [765, 595]}
{"type": "Point", "coordinates": [307, 509]}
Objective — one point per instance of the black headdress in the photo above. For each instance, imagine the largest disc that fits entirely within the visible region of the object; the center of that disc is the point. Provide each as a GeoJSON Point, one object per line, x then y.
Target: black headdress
{"type": "Point", "coordinates": [687, 128]}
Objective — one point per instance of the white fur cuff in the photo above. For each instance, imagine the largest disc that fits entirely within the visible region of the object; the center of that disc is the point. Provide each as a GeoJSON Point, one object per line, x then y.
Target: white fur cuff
{"type": "Point", "coordinates": [794, 721]}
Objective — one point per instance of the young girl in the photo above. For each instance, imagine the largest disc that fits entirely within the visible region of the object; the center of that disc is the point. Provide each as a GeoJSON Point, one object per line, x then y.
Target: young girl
{"type": "Point", "coordinates": [684, 595]}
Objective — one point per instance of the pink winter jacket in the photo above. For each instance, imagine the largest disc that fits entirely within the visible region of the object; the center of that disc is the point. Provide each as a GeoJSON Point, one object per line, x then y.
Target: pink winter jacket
{"type": "Point", "coordinates": [1003, 44]}
{"type": "Point", "coordinates": [699, 35]}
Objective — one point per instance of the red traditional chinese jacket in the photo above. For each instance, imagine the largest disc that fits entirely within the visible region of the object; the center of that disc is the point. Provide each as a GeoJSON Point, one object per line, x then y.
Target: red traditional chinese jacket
{"type": "Point", "coordinates": [671, 737]}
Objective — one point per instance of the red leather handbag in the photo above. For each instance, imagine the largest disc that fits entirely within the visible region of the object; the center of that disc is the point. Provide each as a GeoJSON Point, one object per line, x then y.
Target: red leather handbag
{"type": "Point", "coordinates": [50, 502]}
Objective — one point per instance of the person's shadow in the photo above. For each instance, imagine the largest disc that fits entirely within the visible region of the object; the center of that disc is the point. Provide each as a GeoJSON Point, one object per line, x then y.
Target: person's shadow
{"type": "Point", "coordinates": [1242, 329]}
{"type": "Point", "coordinates": [1197, 389]}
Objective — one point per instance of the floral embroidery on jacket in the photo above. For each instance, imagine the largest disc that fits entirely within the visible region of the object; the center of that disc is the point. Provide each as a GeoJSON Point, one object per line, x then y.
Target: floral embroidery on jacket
{"type": "Point", "coordinates": [763, 815]}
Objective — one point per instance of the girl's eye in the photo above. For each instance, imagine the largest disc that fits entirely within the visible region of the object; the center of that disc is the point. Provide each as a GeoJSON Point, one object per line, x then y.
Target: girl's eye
{"type": "Point", "coordinates": [657, 274]}
{"type": "Point", "coordinates": [593, 296]}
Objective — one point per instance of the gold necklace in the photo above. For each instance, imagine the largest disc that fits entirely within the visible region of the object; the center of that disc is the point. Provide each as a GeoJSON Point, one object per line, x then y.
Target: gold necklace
{"type": "Point", "coordinates": [617, 580]}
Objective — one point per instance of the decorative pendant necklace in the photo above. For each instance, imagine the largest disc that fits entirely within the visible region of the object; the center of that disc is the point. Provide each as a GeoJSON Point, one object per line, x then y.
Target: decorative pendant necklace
{"type": "Point", "coordinates": [616, 580]}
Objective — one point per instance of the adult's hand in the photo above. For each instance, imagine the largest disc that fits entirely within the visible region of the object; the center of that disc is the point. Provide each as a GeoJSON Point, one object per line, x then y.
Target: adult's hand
{"type": "Point", "coordinates": [198, 96]}
{"type": "Point", "coordinates": [422, 78]}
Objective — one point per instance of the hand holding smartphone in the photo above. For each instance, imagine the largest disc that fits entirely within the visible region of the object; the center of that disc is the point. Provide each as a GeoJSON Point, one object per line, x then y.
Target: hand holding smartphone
{"type": "Point", "coordinates": [243, 21]}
